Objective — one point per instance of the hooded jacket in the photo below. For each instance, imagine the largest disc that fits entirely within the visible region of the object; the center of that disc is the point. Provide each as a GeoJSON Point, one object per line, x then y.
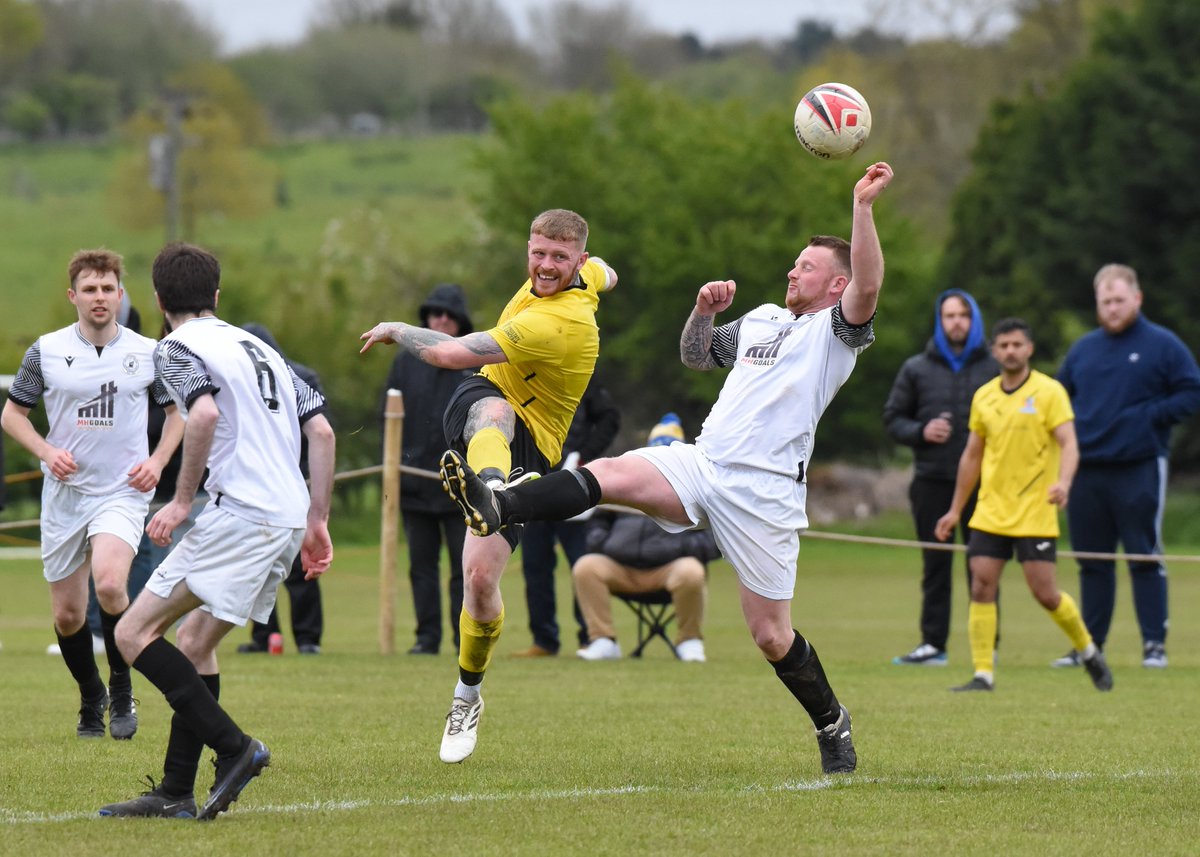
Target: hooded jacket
{"type": "Point", "coordinates": [636, 541]}
{"type": "Point", "coordinates": [928, 385]}
{"type": "Point", "coordinates": [427, 391]}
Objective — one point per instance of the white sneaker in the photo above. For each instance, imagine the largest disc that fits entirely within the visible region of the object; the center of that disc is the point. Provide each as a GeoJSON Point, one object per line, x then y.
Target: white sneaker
{"type": "Point", "coordinates": [97, 647]}
{"type": "Point", "coordinates": [691, 650]}
{"type": "Point", "coordinates": [462, 730]}
{"type": "Point", "coordinates": [600, 649]}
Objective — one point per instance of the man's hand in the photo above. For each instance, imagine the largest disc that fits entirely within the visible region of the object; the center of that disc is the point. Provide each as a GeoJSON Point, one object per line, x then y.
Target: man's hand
{"type": "Point", "coordinates": [715, 297]}
{"type": "Point", "coordinates": [937, 430]}
{"type": "Point", "coordinates": [145, 476]}
{"type": "Point", "coordinates": [944, 528]}
{"type": "Point", "coordinates": [878, 176]}
{"type": "Point", "coordinates": [316, 551]}
{"type": "Point", "coordinates": [165, 521]}
{"type": "Point", "coordinates": [61, 463]}
{"type": "Point", "coordinates": [386, 332]}
{"type": "Point", "coordinates": [1058, 494]}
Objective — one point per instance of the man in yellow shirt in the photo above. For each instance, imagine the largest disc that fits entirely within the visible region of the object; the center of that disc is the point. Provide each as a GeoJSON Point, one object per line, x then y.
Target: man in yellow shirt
{"type": "Point", "coordinates": [511, 419]}
{"type": "Point", "coordinates": [1022, 452]}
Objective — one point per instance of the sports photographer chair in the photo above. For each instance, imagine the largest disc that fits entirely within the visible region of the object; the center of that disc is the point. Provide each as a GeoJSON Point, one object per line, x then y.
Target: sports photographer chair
{"type": "Point", "coordinates": [655, 613]}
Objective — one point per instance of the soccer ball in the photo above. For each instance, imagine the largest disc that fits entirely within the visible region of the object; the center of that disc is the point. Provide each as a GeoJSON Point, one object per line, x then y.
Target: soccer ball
{"type": "Point", "coordinates": [833, 121]}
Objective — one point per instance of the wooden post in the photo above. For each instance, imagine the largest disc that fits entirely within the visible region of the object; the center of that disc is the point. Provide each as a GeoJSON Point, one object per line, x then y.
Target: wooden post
{"type": "Point", "coordinates": [389, 524]}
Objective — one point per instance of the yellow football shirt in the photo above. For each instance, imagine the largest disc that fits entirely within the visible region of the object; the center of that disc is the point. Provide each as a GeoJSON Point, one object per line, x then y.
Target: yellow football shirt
{"type": "Point", "coordinates": [552, 345]}
{"type": "Point", "coordinates": [1020, 455]}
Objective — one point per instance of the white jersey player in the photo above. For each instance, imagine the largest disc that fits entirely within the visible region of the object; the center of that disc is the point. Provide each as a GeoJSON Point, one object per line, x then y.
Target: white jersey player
{"type": "Point", "coordinates": [245, 414]}
{"type": "Point", "coordinates": [744, 476]}
{"type": "Point", "coordinates": [95, 378]}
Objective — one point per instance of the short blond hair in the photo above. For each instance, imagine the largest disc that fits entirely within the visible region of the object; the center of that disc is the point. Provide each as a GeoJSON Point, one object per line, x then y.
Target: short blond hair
{"type": "Point", "coordinates": [559, 224]}
{"type": "Point", "coordinates": [1114, 271]}
{"type": "Point", "coordinates": [101, 261]}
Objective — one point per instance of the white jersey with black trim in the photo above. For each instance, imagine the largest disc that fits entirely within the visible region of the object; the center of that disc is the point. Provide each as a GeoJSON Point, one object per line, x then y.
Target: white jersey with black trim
{"type": "Point", "coordinates": [254, 462]}
{"type": "Point", "coordinates": [96, 402]}
{"type": "Point", "coordinates": [786, 371]}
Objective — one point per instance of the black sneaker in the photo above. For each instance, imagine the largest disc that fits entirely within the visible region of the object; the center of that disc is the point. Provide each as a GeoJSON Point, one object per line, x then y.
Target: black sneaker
{"type": "Point", "coordinates": [233, 775]}
{"type": "Point", "coordinates": [251, 648]}
{"type": "Point", "coordinates": [1098, 671]}
{"type": "Point", "coordinates": [474, 499]}
{"type": "Point", "coordinates": [122, 713]}
{"type": "Point", "coordinates": [837, 750]}
{"type": "Point", "coordinates": [91, 717]}
{"type": "Point", "coordinates": [976, 683]}
{"type": "Point", "coordinates": [152, 804]}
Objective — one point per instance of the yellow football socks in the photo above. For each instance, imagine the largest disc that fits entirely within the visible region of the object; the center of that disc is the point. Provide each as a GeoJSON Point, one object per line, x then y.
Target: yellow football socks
{"type": "Point", "coordinates": [981, 631]}
{"type": "Point", "coordinates": [1067, 617]}
{"type": "Point", "coordinates": [489, 447]}
{"type": "Point", "coordinates": [477, 641]}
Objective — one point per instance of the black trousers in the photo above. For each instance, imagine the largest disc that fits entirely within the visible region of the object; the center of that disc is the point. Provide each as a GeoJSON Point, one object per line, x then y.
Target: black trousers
{"type": "Point", "coordinates": [308, 619]}
{"type": "Point", "coordinates": [930, 499]}
{"type": "Point", "coordinates": [538, 561]}
{"type": "Point", "coordinates": [424, 532]}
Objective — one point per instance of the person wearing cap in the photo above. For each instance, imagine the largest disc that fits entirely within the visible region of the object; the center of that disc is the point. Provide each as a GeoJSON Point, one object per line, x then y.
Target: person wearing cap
{"type": "Point", "coordinates": [428, 516]}
{"type": "Point", "coordinates": [629, 554]}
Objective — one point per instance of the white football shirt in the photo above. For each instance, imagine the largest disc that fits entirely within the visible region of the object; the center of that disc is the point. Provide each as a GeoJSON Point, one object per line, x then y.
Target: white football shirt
{"type": "Point", "coordinates": [96, 403]}
{"type": "Point", "coordinates": [254, 462]}
{"type": "Point", "coordinates": [786, 370]}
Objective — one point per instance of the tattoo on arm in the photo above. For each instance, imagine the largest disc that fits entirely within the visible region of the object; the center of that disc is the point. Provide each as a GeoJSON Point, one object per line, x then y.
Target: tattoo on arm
{"type": "Point", "coordinates": [483, 344]}
{"type": "Point", "coordinates": [417, 340]}
{"type": "Point", "coordinates": [696, 341]}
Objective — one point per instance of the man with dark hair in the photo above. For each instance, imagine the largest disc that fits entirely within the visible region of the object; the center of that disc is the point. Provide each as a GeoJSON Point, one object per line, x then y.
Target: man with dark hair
{"type": "Point", "coordinates": [510, 420]}
{"type": "Point", "coordinates": [743, 477]}
{"type": "Point", "coordinates": [96, 378]}
{"type": "Point", "coordinates": [246, 411]}
{"type": "Point", "coordinates": [1022, 453]}
{"type": "Point", "coordinates": [927, 409]}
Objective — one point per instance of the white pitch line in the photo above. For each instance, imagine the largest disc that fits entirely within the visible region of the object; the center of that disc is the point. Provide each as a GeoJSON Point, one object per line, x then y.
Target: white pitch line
{"type": "Point", "coordinates": [15, 817]}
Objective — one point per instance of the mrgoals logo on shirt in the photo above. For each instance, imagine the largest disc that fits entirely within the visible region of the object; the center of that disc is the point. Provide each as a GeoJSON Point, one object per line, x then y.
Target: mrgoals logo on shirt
{"type": "Point", "coordinates": [766, 353]}
{"type": "Point", "coordinates": [97, 413]}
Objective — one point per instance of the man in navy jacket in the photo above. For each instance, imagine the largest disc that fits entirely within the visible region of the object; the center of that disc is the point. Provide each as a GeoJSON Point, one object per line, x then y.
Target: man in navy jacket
{"type": "Point", "coordinates": [1130, 381]}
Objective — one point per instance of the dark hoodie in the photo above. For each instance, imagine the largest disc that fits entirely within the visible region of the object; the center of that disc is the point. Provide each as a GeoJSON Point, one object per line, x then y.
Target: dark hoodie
{"type": "Point", "coordinates": [935, 382]}
{"type": "Point", "coordinates": [427, 390]}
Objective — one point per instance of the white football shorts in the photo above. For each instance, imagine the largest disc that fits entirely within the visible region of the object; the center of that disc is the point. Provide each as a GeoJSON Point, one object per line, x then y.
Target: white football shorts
{"type": "Point", "coordinates": [70, 518]}
{"type": "Point", "coordinates": [755, 515]}
{"type": "Point", "coordinates": [233, 565]}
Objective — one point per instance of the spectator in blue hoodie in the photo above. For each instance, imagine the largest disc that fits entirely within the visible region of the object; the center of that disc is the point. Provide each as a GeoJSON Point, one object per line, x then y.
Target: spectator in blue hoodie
{"type": "Point", "coordinates": [927, 409]}
{"type": "Point", "coordinates": [1130, 381]}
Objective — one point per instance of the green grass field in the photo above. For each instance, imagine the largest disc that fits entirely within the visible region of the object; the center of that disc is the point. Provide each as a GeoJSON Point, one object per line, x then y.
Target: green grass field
{"type": "Point", "coordinates": [642, 757]}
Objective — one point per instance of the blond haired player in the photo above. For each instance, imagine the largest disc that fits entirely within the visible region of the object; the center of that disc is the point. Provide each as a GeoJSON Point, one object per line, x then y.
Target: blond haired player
{"type": "Point", "coordinates": [510, 420]}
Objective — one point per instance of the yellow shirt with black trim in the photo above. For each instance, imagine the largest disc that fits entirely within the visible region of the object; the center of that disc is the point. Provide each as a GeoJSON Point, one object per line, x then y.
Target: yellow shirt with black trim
{"type": "Point", "coordinates": [1020, 455]}
{"type": "Point", "coordinates": [552, 344]}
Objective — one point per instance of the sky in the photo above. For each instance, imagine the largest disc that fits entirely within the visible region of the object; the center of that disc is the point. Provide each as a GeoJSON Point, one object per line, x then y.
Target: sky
{"type": "Point", "coordinates": [251, 23]}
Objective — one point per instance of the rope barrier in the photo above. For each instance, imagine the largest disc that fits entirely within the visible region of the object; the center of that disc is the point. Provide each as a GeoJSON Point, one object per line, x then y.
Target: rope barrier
{"type": "Point", "coordinates": [812, 534]}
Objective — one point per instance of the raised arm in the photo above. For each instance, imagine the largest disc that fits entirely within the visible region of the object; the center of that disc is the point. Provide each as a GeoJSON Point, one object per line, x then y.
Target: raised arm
{"type": "Point", "coordinates": [866, 256]}
{"type": "Point", "coordinates": [437, 349]}
{"type": "Point", "coordinates": [696, 341]}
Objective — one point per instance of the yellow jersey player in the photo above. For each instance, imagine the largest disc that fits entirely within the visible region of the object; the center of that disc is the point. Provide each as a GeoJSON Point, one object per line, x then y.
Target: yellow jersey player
{"type": "Point", "coordinates": [510, 420]}
{"type": "Point", "coordinates": [1022, 452]}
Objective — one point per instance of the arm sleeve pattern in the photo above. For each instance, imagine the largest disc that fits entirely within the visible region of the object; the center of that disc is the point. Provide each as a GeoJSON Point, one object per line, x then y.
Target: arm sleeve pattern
{"type": "Point", "coordinates": [852, 335]}
{"type": "Point", "coordinates": [182, 372]}
{"type": "Point", "coordinates": [29, 384]}
{"type": "Point", "coordinates": [724, 343]}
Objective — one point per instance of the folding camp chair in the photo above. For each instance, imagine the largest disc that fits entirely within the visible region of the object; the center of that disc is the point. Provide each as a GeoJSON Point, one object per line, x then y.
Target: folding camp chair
{"type": "Point", "coordinates": [655, 613]}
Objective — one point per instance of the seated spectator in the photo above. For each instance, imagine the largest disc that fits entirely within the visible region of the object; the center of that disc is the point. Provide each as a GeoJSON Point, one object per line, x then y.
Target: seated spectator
{"type": "Point", "coordinates": [630, 554]}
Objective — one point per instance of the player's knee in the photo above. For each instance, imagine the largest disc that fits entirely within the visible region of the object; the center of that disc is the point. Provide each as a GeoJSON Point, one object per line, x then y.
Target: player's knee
{"type": "Point", "coordinates": [772, 642]}
{"type": "Point", "coordinates": [111, 593]}
{"type": "Point", "coordinates": [68, 619]}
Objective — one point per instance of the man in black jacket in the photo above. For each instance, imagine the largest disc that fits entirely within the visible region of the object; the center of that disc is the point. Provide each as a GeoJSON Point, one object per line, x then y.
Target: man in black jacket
{"type": "Point", "coordinates": [927, 409]}
{"type": "Point", "coordinates": [428, 514]}
{"type": "Point", "coordinates": [628, 553]}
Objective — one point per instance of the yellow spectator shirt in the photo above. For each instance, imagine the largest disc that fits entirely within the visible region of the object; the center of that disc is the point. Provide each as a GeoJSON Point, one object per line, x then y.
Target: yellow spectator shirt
{"type": "Point", "coordinates": [552, 345]}
{"type": "Point", "coordinates": [1020, 455]}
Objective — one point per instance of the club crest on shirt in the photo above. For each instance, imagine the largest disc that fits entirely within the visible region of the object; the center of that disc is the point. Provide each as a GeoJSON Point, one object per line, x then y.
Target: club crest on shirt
{"type": "Point", "coordinates": [130, 364]}
{"type": "Point", "coordinates": [766, 353]}
{"type": "Point", "coordinates": [1029, 407]}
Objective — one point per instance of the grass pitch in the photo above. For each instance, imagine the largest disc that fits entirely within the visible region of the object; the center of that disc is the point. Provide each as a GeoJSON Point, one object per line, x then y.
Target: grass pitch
{"type": "Point", "coordinates": [641, 757]}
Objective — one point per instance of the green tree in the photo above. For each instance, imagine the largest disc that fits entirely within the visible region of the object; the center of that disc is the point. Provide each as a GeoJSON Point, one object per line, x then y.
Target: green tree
{"type": "Point", "coordinates": [21, 30]}
{"type": "Point", "coordinates": [677, 193]}
{"type": "Point", "coordinates": [1098, 171]}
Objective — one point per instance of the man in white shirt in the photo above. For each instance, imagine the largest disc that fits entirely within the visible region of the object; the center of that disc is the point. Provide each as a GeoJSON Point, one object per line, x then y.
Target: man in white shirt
{"type": "Point", "coordinates": [743, 478]}
{"type": "Point", "coordinates": [95, 377]}
{"type": "Point", "coordinates": [245, 413]}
